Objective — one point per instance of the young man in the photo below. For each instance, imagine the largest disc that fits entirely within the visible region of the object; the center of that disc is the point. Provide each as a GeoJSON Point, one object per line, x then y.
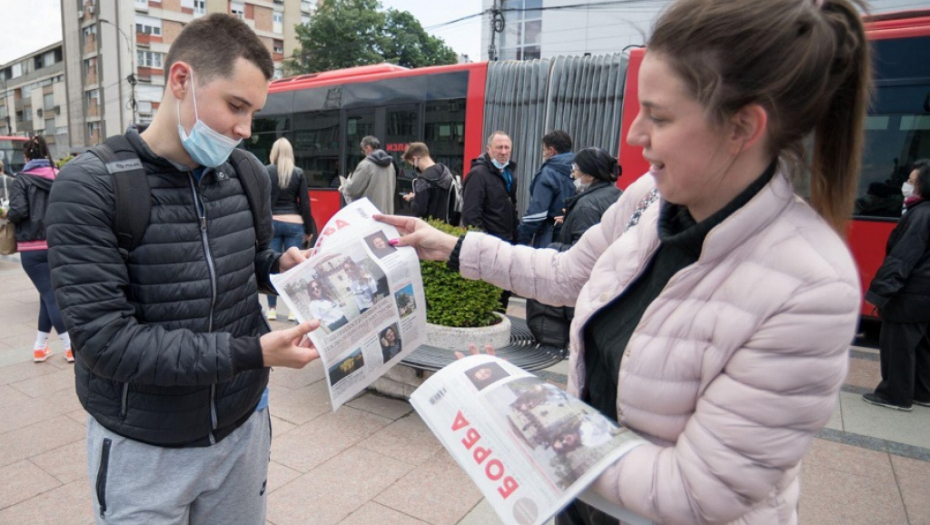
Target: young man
{"type": "Point", "coordinates": [172, 351]}
{"type": "Point", "coordinates": [550, 188]}
{"type": "Point", "coordinates": [430, 195]}
{"type": "Point", "coordinates": [374, 177]}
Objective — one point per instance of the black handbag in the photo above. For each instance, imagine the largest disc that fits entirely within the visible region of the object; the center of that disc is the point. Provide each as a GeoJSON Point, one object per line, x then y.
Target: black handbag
{"type": "Point", "coordinates": [549, 324]}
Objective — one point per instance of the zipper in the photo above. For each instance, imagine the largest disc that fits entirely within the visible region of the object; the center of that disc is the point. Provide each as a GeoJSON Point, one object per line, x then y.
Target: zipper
{"type": "Point", "coordinates": [102, 476]}
{"type": "Point", "coordinates": [124, 402]}
{"type": "Point", "coordinates": [202, 215]}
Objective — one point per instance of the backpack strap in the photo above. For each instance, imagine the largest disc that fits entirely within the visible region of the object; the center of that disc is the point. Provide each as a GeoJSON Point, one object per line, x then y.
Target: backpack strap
{"type": "Point", "coordinates": [133, 194]}
{"type": "Point", "coordinates": [257, 185]}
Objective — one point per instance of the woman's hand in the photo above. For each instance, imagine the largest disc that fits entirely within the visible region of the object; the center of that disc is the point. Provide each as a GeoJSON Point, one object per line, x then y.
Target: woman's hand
{"type": "Point", "coordinates": [430, 243]}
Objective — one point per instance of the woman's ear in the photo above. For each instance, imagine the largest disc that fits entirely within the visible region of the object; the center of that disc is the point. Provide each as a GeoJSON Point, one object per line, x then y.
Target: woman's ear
{"type": "Point", "coordinates": [749, 127]}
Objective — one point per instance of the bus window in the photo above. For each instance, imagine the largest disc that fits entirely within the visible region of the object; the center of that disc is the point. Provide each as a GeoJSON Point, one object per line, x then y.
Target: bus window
{"type": "Point", "coordinates": [445, 132]}
{"type": "Point", "coordinates": [265, 132]}
{"type": "Point", "coordinates": [403, 127]}
{"type": "Point", "coordinates": [316, 147]}
{"type": "Point", "coordinates": [359, 123]}
{"type": "Point", "coordinates": [11, 153]}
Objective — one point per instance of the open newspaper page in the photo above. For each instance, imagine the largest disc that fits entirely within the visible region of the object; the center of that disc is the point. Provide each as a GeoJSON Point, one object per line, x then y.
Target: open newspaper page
{"type": "Point", "coordinates": [530, 447]}
{"type": "Point", "coordinates": [367, 295]}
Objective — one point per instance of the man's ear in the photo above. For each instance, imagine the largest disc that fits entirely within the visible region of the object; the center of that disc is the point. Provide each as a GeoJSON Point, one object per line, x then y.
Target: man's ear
{"type": "Point", "coordinates": [179, 79]}
{"type": "Point", "coordinates": [749, 126]}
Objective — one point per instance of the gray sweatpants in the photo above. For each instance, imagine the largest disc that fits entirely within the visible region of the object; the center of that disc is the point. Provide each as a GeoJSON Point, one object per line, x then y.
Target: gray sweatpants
{"type": "Point", "coordinates": [134, 483]}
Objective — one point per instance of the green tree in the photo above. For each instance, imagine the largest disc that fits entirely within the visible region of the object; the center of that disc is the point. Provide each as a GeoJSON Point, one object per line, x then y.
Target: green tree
{"type": "Point", "coordinates": [349, 33]}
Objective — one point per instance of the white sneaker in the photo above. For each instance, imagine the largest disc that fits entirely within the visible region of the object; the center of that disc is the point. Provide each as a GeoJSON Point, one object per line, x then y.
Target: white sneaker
{"type": "Point", "coordinates": [291, 318]}
{"type": "Point", "coordinates": [272, 314]}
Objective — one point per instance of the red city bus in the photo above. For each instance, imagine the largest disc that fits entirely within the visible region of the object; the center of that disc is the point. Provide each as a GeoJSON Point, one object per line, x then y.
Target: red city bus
{"type": "Point", "coordinates": [325, 116]}
{"type": "Point", "coordinates": [11, 153]}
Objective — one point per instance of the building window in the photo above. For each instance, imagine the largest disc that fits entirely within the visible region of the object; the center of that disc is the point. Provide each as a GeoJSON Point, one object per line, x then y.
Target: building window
{"type": "Point", "coordinates": [200, 7]}
{"type": "Point", "coordinates": [278, 22]}
{"type": "Point", "coordinates": [142, 4]}
{"type": "Point", "coordinates": [90, 69]}
{"type": "Point", "coordinates": [93, 132]}
{"type": "Point", "coordinates": [148, 26]}
{"type": "Point", "coordinates": [237, 9]}
{"type": "Point", "coordinates": [306, 6]}
{"type": "Point", "coordinates": [27, 90]}
{"type": "Point", "coordinates": [278, 46]}
{"type": "Point", "coordinates": [49, 101]}
{"type": "Point", "coordinates": [50, 126]}
{"type": "Point", "coordinates": [150, 59]}
{"type": "Point", "coordinates": [522, 31]}
{"type": "Point", "coordinates": [305, 19]}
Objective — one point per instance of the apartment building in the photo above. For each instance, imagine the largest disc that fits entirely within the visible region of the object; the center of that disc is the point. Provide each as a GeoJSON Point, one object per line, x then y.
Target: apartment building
{"type": "Point", "coordinates": [115, 52]}
{"type": "Point", "coordinates": [33, 98]}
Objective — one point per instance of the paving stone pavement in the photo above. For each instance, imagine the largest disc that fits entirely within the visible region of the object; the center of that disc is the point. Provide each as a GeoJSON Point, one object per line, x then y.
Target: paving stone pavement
{"type": "Point", "coordinates": [375, 462]}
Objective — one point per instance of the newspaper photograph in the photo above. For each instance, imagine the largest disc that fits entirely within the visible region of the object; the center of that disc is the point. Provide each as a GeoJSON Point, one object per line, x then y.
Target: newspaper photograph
{"type": "Point", "coordinates": [366, 294]}
{"type": "Point", "coordinates": [529, 447]}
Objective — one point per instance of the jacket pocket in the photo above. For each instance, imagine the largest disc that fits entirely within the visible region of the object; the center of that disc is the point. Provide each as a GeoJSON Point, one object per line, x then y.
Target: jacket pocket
{"type": "Point", "coordinates": [102, 476]}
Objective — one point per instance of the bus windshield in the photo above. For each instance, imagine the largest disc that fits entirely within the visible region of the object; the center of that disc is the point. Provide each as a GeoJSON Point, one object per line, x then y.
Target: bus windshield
{"type": "Point", "coordinates": [11, 154]}
{"type": "Point", "coordinates": [898, 125]}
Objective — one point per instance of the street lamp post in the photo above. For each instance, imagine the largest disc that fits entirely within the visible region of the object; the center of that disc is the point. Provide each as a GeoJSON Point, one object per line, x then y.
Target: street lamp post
{"type": "Point", "coordinates": [131, 78]}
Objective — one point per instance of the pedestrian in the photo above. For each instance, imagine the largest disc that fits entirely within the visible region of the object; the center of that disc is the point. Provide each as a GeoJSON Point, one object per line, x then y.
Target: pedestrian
{"type": "Point", "coordinates": [172, 350]}
{"type": "Point", "coordinates": [294, 226]}
{"type": "Point", "coordinates": [551, 187]}
{"type": "Point", "coordinates": [431, 189]}
{"type": "Point", "coordinates": [29, 195]}
{"type": "Point", "coordinates": [901, 292]}
{"type": "Point", "coordinates": [374, 177]}
{"type": "Point", "coordinates": [490, 195]}
{"type": "Point", "coordinates": [490, 190]}
{"type": "Point", "coordinates": [716, 320]}
{"type": "Point", "coordinates": [594, 174]}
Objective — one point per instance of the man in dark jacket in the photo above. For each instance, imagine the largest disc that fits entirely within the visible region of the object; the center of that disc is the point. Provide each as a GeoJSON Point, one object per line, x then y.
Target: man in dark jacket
{"type": "Point", "coordinates": [490, 190]}
{"type": "Point", "coordinates": [430, 195]}
{"type": "Point", "coordinates": [550, 188]}
{"type": "Point", "coordinates": [171, 348]}
{"type": "Point", "coordinates": [901, 292]}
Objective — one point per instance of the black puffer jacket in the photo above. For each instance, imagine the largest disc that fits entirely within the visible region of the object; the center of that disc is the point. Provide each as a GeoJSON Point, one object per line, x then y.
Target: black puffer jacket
{"type": "Point", "coordinates": [901, 287]}
{"type": "Point", "coordinates": [584, 210]}
{"type": "Point", "coordinates": [29, 195]}
{"type": "Point", "coordinates": [487, 203]}
{"type": "Point", "coordinates": [167, 345]}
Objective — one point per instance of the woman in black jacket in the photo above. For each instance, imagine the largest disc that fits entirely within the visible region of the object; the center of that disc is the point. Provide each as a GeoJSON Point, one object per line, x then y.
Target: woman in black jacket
{"type": "Point", "coordinates": [290, 208]}
{"type": "Point", "coordinates": [28, 204]}
{"type": "Point", "coordinates": [595, 173]}
{"type": "Point", "coordinates": [901, 292]}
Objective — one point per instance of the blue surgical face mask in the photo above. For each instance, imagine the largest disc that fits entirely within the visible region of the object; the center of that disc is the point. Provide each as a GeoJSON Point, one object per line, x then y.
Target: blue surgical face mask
{"type": "Point", "coordinates": [205, 145]}
{"type": "Point", "coordinates": [498, 165]}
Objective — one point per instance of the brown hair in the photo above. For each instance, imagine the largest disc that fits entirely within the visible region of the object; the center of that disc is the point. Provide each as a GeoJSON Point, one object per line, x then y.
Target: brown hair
{"type": "Point", "coordinates": [36, 148]}
{"type": "Point", "coordinates": [211, 45]}
{"type": "Point", "coordinates": [805, 61]}
{"type": "Point", "coordinates": [415, 149]}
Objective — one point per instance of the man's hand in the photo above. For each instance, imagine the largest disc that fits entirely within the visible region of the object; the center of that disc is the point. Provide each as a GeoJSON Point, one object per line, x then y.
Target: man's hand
{"type": "Point", "coordinates": [408, 196]}
{"type": "Point", "coordinates": [290, 348]}
{"type": "Point", "coordinates": [291, 258]}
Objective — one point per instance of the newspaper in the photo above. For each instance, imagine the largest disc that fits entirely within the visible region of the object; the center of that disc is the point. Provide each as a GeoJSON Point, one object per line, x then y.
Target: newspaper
{"type": "Point", "coordinates": [530, 447]}
{"type": "Point", "coordinates": [367, 295]}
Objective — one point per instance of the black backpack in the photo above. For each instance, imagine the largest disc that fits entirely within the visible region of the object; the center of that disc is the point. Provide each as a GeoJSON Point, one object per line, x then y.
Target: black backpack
{"type": "Point", "coordinates": [134, 196]}
{"type": "Point", "coordinates": [454, 206]}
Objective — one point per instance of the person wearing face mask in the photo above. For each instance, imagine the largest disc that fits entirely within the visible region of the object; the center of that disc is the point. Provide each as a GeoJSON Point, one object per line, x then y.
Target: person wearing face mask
{"type": "Point", "coordinates": [594, 174]}
{"type": "Point", "coordinates": [430, 195]}
{"type": "Point", "coordinates": [551, 185]}
{"type": "Point", "coordinates": [490, 190]}
{"type": "Point", "coordinates": [172, 352]}
{"type": "Point", "coordinates": [901, 292]}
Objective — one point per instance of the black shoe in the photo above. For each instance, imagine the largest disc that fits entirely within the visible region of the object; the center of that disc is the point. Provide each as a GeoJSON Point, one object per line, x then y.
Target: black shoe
{"type": "Point", "coordinates": [922, 403]}
{"type": "Point", "coordinates": [878, 400]}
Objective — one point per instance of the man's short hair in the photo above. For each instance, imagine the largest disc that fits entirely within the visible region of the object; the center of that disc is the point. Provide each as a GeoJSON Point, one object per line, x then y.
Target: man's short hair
{"type": "Point", "coordinates": [496, 133]}
{"type": "Point", "coordinates": [372, 141]}
{"type": "Point", "coordinates": [415, 149]}
{"type": "Point", "coordinates": [212, 44]}
{"type": "Point", "coordinates": [559, 140]}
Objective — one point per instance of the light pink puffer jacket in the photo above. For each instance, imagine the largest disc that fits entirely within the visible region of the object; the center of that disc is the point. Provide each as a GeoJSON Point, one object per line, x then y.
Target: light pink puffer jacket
{"type": "Point", "coordinates": [732, 370]}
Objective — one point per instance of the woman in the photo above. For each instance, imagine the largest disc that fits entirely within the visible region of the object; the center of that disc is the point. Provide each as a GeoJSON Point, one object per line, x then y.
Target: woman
{"type": "Point", "coordinates": [293, 224]}
{"type": "Point", "coordinates": [594, 172]}
{"type": "Point", "coordinates": [901, 292]}
{"type": "Point", "coordinates": [28, 204]}
{"type": "Point", "coordinates": [322, 307]}
{"type": "Point", "coordinates": [718, 326]}
{"type": "Point", "coordinates": [362, 284]}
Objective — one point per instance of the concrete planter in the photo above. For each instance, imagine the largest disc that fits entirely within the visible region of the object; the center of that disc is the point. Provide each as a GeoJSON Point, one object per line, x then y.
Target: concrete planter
{"type": "Point", "coordinates": [400, 381]}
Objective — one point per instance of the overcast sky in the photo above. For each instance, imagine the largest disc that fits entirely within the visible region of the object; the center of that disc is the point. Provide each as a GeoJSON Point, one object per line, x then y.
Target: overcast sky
{"type": "Point", "coordinates": [26, 26]}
